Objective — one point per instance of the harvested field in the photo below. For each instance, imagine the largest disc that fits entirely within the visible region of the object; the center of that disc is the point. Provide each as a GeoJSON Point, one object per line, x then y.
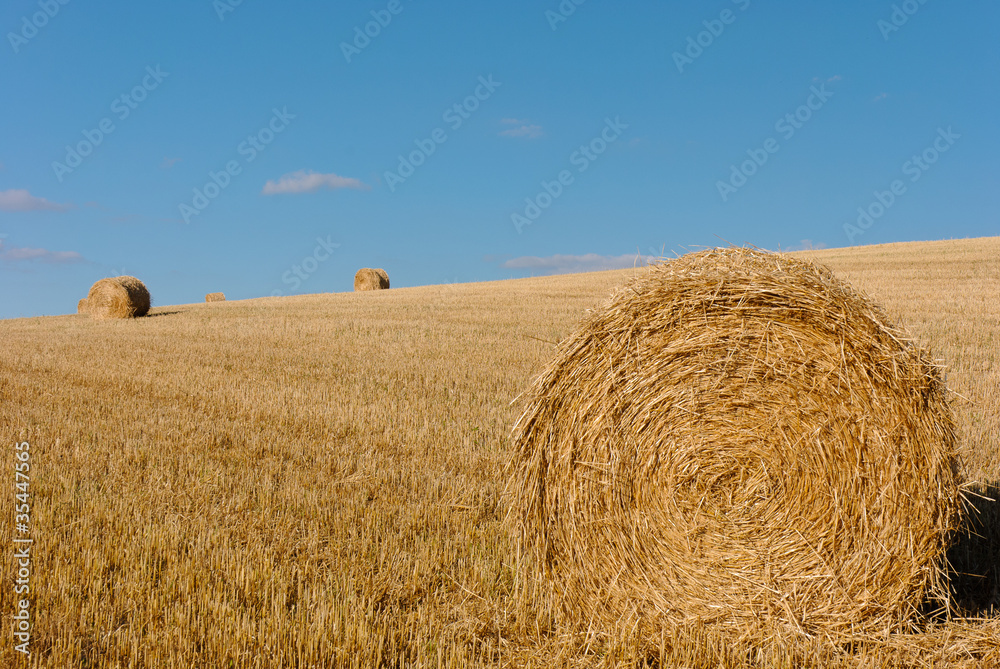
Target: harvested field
{"type": "Point", "coordinates": [318, 480]}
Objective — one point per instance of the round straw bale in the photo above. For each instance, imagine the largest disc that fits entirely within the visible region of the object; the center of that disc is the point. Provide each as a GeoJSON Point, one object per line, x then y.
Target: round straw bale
{"type": "Point", "coordinates": [118, 297]}
{"type": "Point", "coordinates": [371, 279]}
{"type": "Point", "coordinates": [215, 297]}
{"type": "Point", "coordinates": [81, 306]}
{"type": "Point", "coordinates": [735, 439]}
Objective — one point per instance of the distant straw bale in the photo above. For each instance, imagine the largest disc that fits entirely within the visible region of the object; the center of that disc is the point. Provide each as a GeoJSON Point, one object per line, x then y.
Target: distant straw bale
{"type": "Point", "coordinates": [371, 279]}
{"type": "Point", "coordinates": [81, 306]}
{"type": "Point", "coordinates": [118, 297]}
{"type": "Point", "coordinates": [215, 297]}
{"type": "Point", "coordinates": [739, 440]}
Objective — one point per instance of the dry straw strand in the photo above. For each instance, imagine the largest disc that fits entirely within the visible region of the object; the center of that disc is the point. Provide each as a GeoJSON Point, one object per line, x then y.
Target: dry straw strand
{"type": "Point", "coordinates": [118, 297]}
{"type": "Point", "coordinates": [735, 439]}
{"type": "Point", "coordinates": [368, 278]}
{"type": "Point", "coordinates": [215, 297]}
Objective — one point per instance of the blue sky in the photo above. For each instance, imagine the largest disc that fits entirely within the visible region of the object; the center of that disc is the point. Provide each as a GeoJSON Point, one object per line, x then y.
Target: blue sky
{"type": "Point", "coordinates": [264, 148]}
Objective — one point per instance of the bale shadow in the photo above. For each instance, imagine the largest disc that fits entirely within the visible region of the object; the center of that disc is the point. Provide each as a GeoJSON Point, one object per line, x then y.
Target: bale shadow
{"type": "Point", "coordinates": [974, 556]}
{"type": "Point", "coordinates": [162, 313]}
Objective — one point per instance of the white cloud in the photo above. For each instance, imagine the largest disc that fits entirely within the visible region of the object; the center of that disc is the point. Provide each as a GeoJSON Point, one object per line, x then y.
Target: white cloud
{"type": "Point", "coordinates": [568, 264]}
{"type": "Point", "coordinates": [307, 182]}
{"type": "Point", "coordinates": [18, 199]}
{"type": "Point", "coordinates": [806, 245]}
{"type": "Point", "coordinates": [526, 131]}
{"type": "Point", "coordinates": [16, 254]}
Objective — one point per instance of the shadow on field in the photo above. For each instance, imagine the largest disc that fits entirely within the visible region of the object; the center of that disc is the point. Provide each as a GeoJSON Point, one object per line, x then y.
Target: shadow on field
{"type": "Point", "coordinates": [975, 555]}
{"type": "Point", "coordinates": [162, 313]}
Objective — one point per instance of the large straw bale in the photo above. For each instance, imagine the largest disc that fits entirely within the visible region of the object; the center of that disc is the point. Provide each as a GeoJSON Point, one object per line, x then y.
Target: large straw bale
{"type": "Point", "coordinates": [81, 306]}
{"type": "Point", "coordinates": [118, 297]}
{"type": "Point", "coordinates": [215, 297]}
{"type": "Point", "coordinates": [371, 279]}
{"type": "Point", "coordinates": [736, 440]}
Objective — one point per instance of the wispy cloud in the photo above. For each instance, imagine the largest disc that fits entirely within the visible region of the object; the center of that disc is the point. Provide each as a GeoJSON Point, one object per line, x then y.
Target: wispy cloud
{"type": "Point", "coordinates": [523, 129]}
{"type": "Point", "coordinates": [806, 245]}
{"type": "Point", "coordinates": [169, 162]}
{"type": "Point", "coordinates": [880, 96]}
{"type": "Point", "coordinates": [568, 264]}
{"type": "Point", "coordinates": [526, 131]}
{"type": "Point", "coordinates": [18, 199]}
{"type": "Point", "coordinates": [12, 254]}
{"type": "Point", "coordinates": [307, 182]}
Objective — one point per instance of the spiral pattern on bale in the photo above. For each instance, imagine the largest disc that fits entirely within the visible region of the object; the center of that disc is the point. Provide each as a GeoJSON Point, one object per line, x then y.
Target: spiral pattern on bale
{"type": "Point", "coordinates": [736, 439]}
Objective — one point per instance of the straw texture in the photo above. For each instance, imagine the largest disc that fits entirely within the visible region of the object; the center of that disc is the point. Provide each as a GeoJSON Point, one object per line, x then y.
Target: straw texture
{"type": "Point", "coordinates": [118, 297]}
{"type": "Point", "coordinates": [371, 279]}
{"type": "Point", "coordinates": [739, 440]}
{"type": "Point", "coordinates": [215, 297]}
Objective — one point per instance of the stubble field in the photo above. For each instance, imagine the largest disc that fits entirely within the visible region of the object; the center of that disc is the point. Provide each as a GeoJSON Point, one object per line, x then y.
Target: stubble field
{"type": "Point", "coordinates": [317, 480]}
